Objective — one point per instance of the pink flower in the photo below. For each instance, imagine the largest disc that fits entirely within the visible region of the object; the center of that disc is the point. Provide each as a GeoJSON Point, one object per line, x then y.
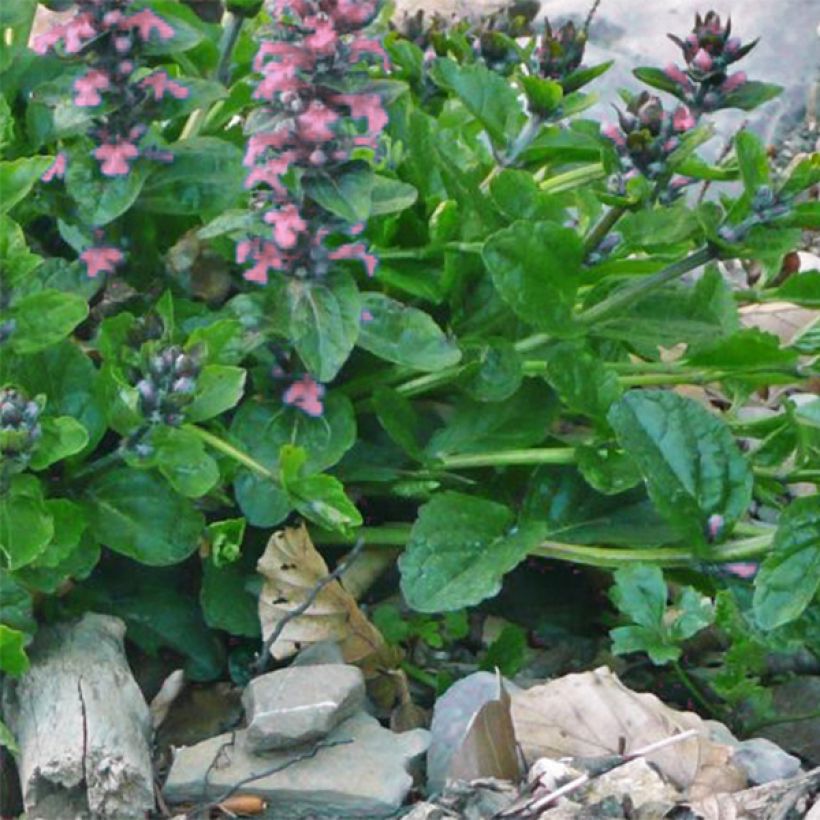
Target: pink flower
{"type": "Point", "coordinates": [324, 38]}
{"type": "Point", "coordinates": [101, 260]}
{"type": "Point", "coordinates": [270, 173]}
{"type": "Point", "coordinates": [278, 79]}
{"type": "Point", "coordinates": [733, 82]}
{"type": "Point", "coordinates": [56, 169]}
{"type": "Point", "coordinates": [306, 394]}
{"type": "Point", "coordinates": [365, 316]}
{"type": "Point", "coordinates": [146, 22]}
{"type": "Point", "coordinates": [354, 13]}
{"type": "Point", "coordinates": [259, 143]}
{"type": "Point", "coordinates": [289, 54]}
{"type": "Point", "coordinates": [702, 60]}
{"type": "Point", "coordinates": [743, 569]}
{"type": "Point", "coordinates": [367, 106]}
{"type": "Point", "coordinates": [680, 182]}
{"type": "Point", "coordinates": [314, 124]}
{"type": "Point", "coordinates": [732, 46]}
{"type": "Point", "coordinates": [287, 225]}
{"type": "Point", "coordinates": [161, 84]}
{"type": "Point", "coordinates": [714, 525]}
{"type": "Point", "coordinates": [363, 45]}
{"type": "Point", "coordinates": [265, 254]}
{"type": "Point", "coordinates": [613, 133]}
{"type": "Point", "coordinates": [356, 250]}
{"type": "Point", "coordinates": [48, 39]}
{"type": "Point", "coordinates": [114, 157]}
{"type": "Point", "coordinates": [683, 119]}
{"type": "Point", "coordinates": [678, 76]}
{"type": "Point", "coordinates": [88, 87]}
{"type": "Point", "coordinates": [79, 27]}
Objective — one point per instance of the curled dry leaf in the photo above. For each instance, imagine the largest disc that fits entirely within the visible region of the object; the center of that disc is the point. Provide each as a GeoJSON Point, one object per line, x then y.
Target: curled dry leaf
{"type": "Point", "coordinates": [243, 805]}
{"type": "Point", "coordinates": [168, 693]}
{"type": "Point", "coordinates": [293, 568]}
{"type": "Point", "coordinates": [593, 714]}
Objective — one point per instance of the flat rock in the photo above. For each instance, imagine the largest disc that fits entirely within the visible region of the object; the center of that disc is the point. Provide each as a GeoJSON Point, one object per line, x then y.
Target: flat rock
{"type": "Point", "coordinates": [366, 774]}
{"type": "Point", "coordinates": [637, 780]}
{"type": "Point", "coordinates": [299, 704]}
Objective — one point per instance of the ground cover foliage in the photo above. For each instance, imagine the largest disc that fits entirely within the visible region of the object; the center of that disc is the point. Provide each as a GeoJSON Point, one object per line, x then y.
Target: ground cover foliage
{"type": "Point", "coordinates": [396, 285]}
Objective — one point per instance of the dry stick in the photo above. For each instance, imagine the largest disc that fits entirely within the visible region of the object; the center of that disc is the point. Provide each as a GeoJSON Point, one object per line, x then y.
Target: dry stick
{"type": "Point", "coordinates": [544, 801]}
{"type": "Point", "coordinates": [262, 663]}
{"type": "Point", "coordinates": [312, 752]}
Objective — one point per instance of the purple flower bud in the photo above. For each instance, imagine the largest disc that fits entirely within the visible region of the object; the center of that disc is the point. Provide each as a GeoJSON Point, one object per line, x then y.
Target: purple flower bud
{"type": "Point", "coordinates": [186, 385]}
{"type": "Point", "coordinates": [703, 60]}
{"type": "Point", "coordinates": [185, 365]}
{"type": "Point", "coordinates": [733, 82]}
{"type": "Point", "coordinates": [147, 391]}
{"type": "Point", "coordinates": [732, 46]}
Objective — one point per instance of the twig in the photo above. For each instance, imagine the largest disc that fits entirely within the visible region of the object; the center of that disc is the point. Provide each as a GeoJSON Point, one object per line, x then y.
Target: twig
{"type": "Point", "coordinates": [617, 760]}
{"type": "Point", "coordinates": [312, 752]}
{"type": "Point", "coordinates": [262, 662]}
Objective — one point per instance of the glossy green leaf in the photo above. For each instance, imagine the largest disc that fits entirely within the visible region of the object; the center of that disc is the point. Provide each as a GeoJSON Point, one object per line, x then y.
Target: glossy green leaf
{"type": "Point", "coordinates": [16, 261]}
{"type": "Point", "coordinates": [16, 609]}
{"type": "Point", "coordinates": [459, 550]}
{"type": "Point", "coordinates": [62, 436]}
{"type": "Point", "coordinates": [226, 602]}
{"type": "Point", "coordinates": [219, 387]}
{"type": "Point", "coordinates": [535, 268]}
{"type": "Point", "coordinates": [13, 660]}
{"type": "Point", "coordinates": [491, 369]}
{"type": "Point", "coordinates": [606, 468]}
{"type": "Point", "coordinates": [346, 194]}
{"type": "Point", "coordinates": [692, 466]}
{"type": "Point", "coordinates": [70, 522]}
{"type": "Point", "coordinates": [181, 457]}
{"type": "Point", "coordinates": [322, 499]}
{"type": "Point", "coordinates": [133, 513]}
{"type": "Point", "coordinates": [263, 503]}
{"type": "Point", "coordinates": [44, 318]}
{"type": "Point", "coordinates": [101, 199]}
{"type": "Point", "coordinates": [18, 177]}
{"type": "Point", "coordinates": [789, 576]}
{"type": "Point", "coordinates": [26, 526]}
{"type": "Point", "coordinates": [751, 94]}
{"type": "Point", "coordinates": [752, 160]}
{"type": "Point", "coordinates": [404, 335]}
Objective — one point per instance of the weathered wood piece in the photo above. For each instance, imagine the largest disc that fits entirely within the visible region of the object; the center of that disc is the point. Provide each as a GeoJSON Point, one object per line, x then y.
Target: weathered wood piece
{"type": "Point", "coordinates": [82, 725]}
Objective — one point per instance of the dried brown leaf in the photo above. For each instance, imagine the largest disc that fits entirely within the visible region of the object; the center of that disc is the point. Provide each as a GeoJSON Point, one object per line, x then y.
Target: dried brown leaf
{"type": "Point", "coordinates": [593, 714]}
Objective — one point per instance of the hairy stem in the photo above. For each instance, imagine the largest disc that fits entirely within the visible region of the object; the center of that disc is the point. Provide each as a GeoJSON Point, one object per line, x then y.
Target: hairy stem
{"type": "Point", "coordinates": [234, 453]}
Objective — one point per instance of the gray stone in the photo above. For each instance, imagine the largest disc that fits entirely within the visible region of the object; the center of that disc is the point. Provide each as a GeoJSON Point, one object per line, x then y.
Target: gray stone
{"type": "Point", "coordinates": [293, 706]}
{"type": "Point", "coordinates": [764, 761]}
{"type": "Point", "coordinates": [319, 653]}
{"type": "Point", "coordinates": [637, 780]}
{"type": "Point", "coordinates": [364, 775]}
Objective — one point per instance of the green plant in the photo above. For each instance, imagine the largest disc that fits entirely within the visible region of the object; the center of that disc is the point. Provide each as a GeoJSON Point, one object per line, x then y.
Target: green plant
{"type": "Point", "coordinates": [463, 321]}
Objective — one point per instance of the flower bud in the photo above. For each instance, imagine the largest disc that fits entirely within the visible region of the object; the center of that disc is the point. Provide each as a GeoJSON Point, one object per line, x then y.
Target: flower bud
{"type": "Point", "coordinates": [184, 386]}
{"type": "Point", "coordinates": [6, 329]}
{"type": "Point", "coordinates": [19, 427]}
{"type": "Point", "coordinates": [703, 60]}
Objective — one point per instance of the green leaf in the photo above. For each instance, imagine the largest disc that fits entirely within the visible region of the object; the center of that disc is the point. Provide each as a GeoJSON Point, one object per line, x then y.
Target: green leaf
{"type": "Point", "coordinates": [226, 540]}
{"type": "Point", "coordinates": [789, 577]}
{"type": "Point", "coordinates": [234, 219]}
{"type": "Point", "coordinates": [70, 522]}
{"type": "Point", "coordinates": [396, 415]}
{"type": "Point", "coordinates": [485, 94]}
{"type": "Point", "coordinates": [491, 369]}
{"type": "Point", "coordinates": [750, 95]}
{"type": "Point", "coordinates": [263, 503]}
{"type": "Point", "coordinates": [581, 76]}
{"type": "Point", "coordinates": [517, 196]}
{"type": "Point", "coordinates": [582, 380]}
{"type": "Point", "coordinates": [459, 550]}
{"type": "Point", "coordinates": [321, 498]}
{"type": "Point", "coordinates": [219, 387]}
{"type": "Point", "coordinates": [26, 526]}
{"type": "Point", "coordinates": [535, 269]}
{"type": "Point", "coordinates": [263, 428]}
{"type": "Point", "coordinates": [101, 199]}
{"type": "Point", "coordinates": [133, 513]}
{"type": "Point", "coordinates": [752, 160]}
{"type": "Point", "coordinates": [226, 602]}
{"type": "Point", "coordinates": [388, 196]}
{"type": "Point", "coordinates": [188, 30]}
{"type": "Point", "coordinates": [606, 468]}
{"type": "Point", "coordinates": [44, 318]}
{"type": "Point", "coordinates": [640, 593]}
{"type": "Point", "coordinates": [507, 652]}
{"type": "Point", "coordinates": [692, 466]}
{"type": "Point", "coordinates": [16, 605]}
{"type": "Point", "coordinates": [324, 321]}
{"type": "Point", "coordinates": [18, 177]}
{"type": "Point", "coordinates": [654, 229]}
{"type": "Point", "coordinates": [7, 739]}
{"type": "Point", "coordinates": [802, 289]}
{"type": "Point", "coordinates": [804, 174]}
{"type": "Point", "coordinates": [658, 79]}
{"type": "Point", "coordinates": [16, 261]}
{"type": "Point", "coordinates": [63, 436]}
{"type": "Point", "coordinates": [404, 335]}
{"type": "Point", "coordinates": [206, 177]}
{"type": "Point", "coordinates": [346, 194]}
{"type": "Point", "coordinates": [181, 457]}
{"type": "Point", "coordinates": [750, 347]}
{"type": "Point", "coordinates": [13, 660]}
{"type": "Point", "coordinates": [543, 95]}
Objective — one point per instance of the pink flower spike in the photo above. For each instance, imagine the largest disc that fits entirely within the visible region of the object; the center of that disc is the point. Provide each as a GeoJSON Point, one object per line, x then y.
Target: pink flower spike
{"type": "Point", "coordinates": [114, 157]}
{"type": "Point", "coordinates": [76, 29]}
{"type": "Point", "coordinates": [259, 143]}
{"type": "Point", "coordinates": [613, 133]}
{"type": "Point", "coordinates": [161, 84]}
{"type": "Point", "coordinates": [683, 119]}
{"type": "Point", "coordinates": [42, 43]}
{"type": "Point", "coordinates": [354, 12]}
{"type": "Point", "coordinates": [271, 172]}
{"type": "Point", "coordinates": [287, 225]}
{"type": "Point", "coordinates": [56, 169]}
{"type": "Point", "coordinates": [306, 394]}
{"type": "Point", "coordinates": [87, 88]}
{"type": "Point", "coordinates": [733, 82]}
{"type": "Point", "coordinates": [363, 45]}
{"type": "Point", "coordinates": [146, 23]}
{"type": "Point", "coordinates": [702, 60]}
{"type": "Point", "coordinates": [324, 38]}
{"type": "Point", "coordinates": [742, 569]}
{"type": "Point", "coordinates": [678, 76]}
{"type": "Point", "coordinates": [356, 250]}
{"type": "Point", "coordinates": [267, 256]}
{"type": "Point", "coordinates": [314, 124]}
{"type": "Point", "coordinates": [365, 106]}
{"type": "Point", "coordinates": [101, 260]}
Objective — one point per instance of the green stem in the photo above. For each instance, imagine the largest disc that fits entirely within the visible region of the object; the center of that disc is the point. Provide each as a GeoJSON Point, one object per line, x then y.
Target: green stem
{"type": "Point", "coordinates": [231, 27]}
{"type": "Point", "coordinates": [419, 674]}
{"type": "Point", "coordinates": [234, 453]}
{"type": "Point", "coordinates": [597, 234]}
{"type": "Point", "coordinates": [628, 295]}
{"type": "Point", "coordinates": [508, 458]}
{"type": "Point", "coordinates": [574, 178]}
{"type": "Point", "coordinates": [428, 251]}
{"type": "Point", "coordinates": [693, 690]}
{"type": "Point", "coordinates": [102, 463]}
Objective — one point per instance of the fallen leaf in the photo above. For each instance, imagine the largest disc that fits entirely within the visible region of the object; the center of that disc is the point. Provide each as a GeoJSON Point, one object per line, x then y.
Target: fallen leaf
{"type": "Point", "coordinates": [293, 568]}
{"type": "Point", "coordinates": [593, 714]}
{"type": "Point", "coordinates": [168, 693]}
{"type": "Point", "coordinates": [489, 748]}
{"type": "Point", "coordinates": [243, 805]}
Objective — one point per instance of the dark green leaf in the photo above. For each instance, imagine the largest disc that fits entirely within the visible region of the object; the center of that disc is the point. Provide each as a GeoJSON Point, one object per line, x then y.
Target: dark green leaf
{"type": "Point", "coordinates": [346, 194]}
{"type": "Point", "coordinates": [262, 502]}
{"type": "Point", "coordinates": [581, 76]}
{"type": "Point", "coordinates": [324, 321]}
{"type": "Point", "coordinates": [507, 652]}
{"type": "Point", "coordinates": [181, 457]}
{"type": "Point", "coordinates": [535, 268]}
{"type": "Point", "coordinates": [404, 335]}
{"type": "Point", "coordinates": [752, 161]}
{"type": "Point", "coordinates": [695, 474]}
{"type": "Point", "coordinates": [16, 261]}
{"type": "Point", "coordinates": [750, 347]}
{"type": "Point", "coordinates": [219, 387]}
{"type": "Point", "coordinates": [397, 417]}
{"type": "Point", "coordinates": [133, 513]}
{"type": "Point", "coordinates": [16, 605]}
{"type": "Point", "coordinates": [492, 369]}
{"type": "Point", "coordinates": [789, 577]}
{"type": "Point", "coordinates": [750, 95]}
{"type": "Point", "coordinates": [43, 319]}
{"type": "Point", "coordinates": [188, 30]}
{"type": "Point", "coordinates": [102, 199]}
{"type": "Point", "coordinates": [459, 550]}
{"type": "Point", "coordinates": [226, 602]}
{"type": "Point", "coordinates": [652, 229]}
{"type": "Point", "coordinates": [321, 498]}
{"type": "Point", "coordinates": [63, 436]}
{"type": "Point", "coordinates": [658, 78]}
{"type": "Point", "coordinates": [607, 469]}
{"type": "Point", "coordinates": [70, 522]}
{"type": "Point", "coordinates": [18, 177]}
